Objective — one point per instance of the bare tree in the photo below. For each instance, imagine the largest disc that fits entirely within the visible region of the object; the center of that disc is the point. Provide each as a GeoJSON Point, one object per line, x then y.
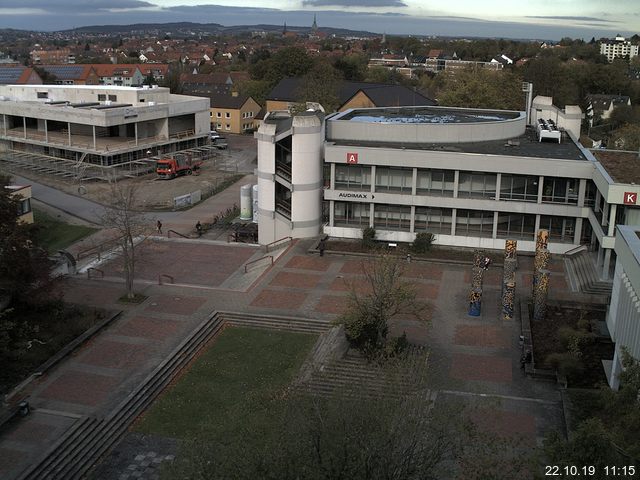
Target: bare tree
{"type": "Point", "coordinates": [366, 319]}
{"type": "Point", "coordinates": [129, 225]}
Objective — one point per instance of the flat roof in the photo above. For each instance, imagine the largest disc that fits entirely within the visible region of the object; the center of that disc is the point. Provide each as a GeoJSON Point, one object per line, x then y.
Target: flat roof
{"type": "Point", "coordinates": [622, 167]}
{"type": "Point", "coordinates": [85, 87]}
{"type": "Point", "coordinates": [526, 145]}
{"type": "Point", "coordinates": [426, 114]}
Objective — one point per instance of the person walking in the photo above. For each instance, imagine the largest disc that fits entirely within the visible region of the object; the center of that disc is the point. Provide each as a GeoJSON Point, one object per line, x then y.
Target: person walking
{"type": "Point", "coordinates": [322, 245]}
{"type": "Point", "coordinates": [159, 227]}
{"type": "Point", "coordinates": [199, 228]}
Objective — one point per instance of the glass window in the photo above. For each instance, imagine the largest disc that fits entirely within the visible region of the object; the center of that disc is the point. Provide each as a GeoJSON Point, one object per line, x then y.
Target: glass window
{"type": "Point", "coordinates": [219, 114]}
{"type": "Point", "coordinates": [560, 190]}
{"type": "Point", "coordinates": [433, 220]}
{"type": "Point", "coordinates": [474, 223]}
{"type": "Point", "coordinates": [227, 115]}
{"type": "Point", "coordinates": [519, 188]}
{"type": "Point", "coordinates": [590, 194]}
{"type": "Point", "coordinates": [392, 217]}
{"type": "Point", "coordinates": [516, 225]}
{"type": "Point", "coordinates": [228, 126]}
{"type": "Point", "coordinates": [113, 98]}
{"type": "Point", "coordinates": [353, 177]}
{"type": "Point", "coordinates": [561, 229]}
{"type": "Point", "coordinates": [392, 179]}
{"type": "Point", "coordinates": [24, 206]}
{"type": "Point", "coordinates": [435, 182]}
{"type": "Point", "coordinates": [102, 97]}
{"type": "Point", "coordinates": [477, 185]}
{"type": "Point", "coordinates": [351, 214]}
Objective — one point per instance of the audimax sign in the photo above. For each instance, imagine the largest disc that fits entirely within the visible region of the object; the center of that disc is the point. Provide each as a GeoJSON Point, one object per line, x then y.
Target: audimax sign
{"type": "Point", "coordinates": [356, 195]}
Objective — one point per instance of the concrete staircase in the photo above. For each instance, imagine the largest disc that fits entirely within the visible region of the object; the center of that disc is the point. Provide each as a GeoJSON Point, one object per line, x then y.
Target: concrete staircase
{"type": "Point", "coordinates": [583, 277]}
{"type": "Point", "coordinates": [353, 373]}
{"type": "Point", "coordinates": [293, 324]}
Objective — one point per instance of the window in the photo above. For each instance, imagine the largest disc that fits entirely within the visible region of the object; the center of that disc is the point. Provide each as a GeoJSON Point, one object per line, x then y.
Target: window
{"type": "Point", "coordinates": [392, 179]}
{"type": "Point", "coordinates": [590, 194]}
{"type": "Point", "coordinates": [519, 188]}
{"type": "Point", "coordinates": [560, 190]}
{"type": "Point", "coordinates": [219, 114]}
{"type": "Point", "coordinates": [211, 114]}
{"type": "Point", "coordinates": [348, 214]}
{"type": "Point", "coordinates": [113, 98]}
{"type": "Point", "coordinates": [227, 115]}
{"type": "Point", "coordinates": [474, 223]}
{"type": "Point", "coordinates": [43, 94]}
{"type": "Point", "coordinates": [218, 126]}
{"type": "Point", "coordinates": [353, 177]}
{"type": "Point", "coordinates": [228, 126]}
{"type": "Point", "coordinates": [477, 185]}
{"type": "Point", "coordinates": [516, 225]}
{"type": "Point", "coordinates": [435, 182]}
{"type": "Point", "coordinates": [433, 220]}
{"type": "Point", "coordinates": [24, 206]}
{"type": "Point", "coordinates": [392, 217]}
{"type": "Point", "coordinates": [561, 229]}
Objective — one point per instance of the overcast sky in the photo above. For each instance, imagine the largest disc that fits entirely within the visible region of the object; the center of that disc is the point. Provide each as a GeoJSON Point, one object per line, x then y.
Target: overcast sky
{"type": "Point", "coordinates": [542, 19]}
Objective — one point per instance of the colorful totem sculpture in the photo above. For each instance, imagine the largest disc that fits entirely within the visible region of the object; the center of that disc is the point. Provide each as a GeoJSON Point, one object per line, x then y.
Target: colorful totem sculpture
{"type": "Point", "coordinates": [477, 275]}
{"type": "Point", "coordinates": [542, 239]}
{"type": "Point", "coordinates": [509, 278]}
{"type": "Point", "coordinates": [508, 299]}
{"type": "Point", "coordinates": [540, 262]}
{"type": "Point", "coordinates": [475, 302]}
{"type": "Point", "coordinates": [540, 296]}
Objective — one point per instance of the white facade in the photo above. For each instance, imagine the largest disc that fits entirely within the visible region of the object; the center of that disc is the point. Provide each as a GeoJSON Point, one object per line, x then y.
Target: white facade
{"type": "Point", "coordinates": [618, 48]}
{"type": "Point", "coordinates": [623, 318]}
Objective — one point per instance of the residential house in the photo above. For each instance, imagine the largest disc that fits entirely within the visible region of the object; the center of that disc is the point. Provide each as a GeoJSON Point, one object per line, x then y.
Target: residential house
{"type": "Point", "coordinates": [233, 113]}
{"type": "Point", "coordinates": [18, 75]}
{"type": "Point", "coordinates": [70, 74]}
{"type": "Point", "coordinates": [600, 107]}
{"type": "Point", "coordinates": [350, 95]}
{"type": "Point", "coordinates": [61, 55]}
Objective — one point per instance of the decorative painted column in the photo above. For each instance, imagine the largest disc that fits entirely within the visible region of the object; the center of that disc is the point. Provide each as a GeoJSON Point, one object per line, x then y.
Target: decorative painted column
{"type": "Point", "coordinates": [540, 262]}
{"type": "Point", "coordinates": [540, 295]}
{"type": "Point", "coordinates": [542, 239]}
{"type": "Point", "coordinates": [475, 302]}
{"type": "Point", "coordinates": [508, 298]}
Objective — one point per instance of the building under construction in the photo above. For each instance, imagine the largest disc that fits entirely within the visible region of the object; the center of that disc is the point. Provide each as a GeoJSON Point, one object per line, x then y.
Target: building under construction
{"type": "Point", "coordinates": [95, 132]}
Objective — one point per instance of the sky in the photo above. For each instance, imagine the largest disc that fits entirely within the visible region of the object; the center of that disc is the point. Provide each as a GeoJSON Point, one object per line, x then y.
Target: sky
{"type": "Point", "coordinates": [535, 19]}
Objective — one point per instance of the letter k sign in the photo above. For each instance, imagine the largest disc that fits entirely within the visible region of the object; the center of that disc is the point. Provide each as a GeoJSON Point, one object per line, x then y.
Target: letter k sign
{"type": "Point", "coordinates": [630, 198]}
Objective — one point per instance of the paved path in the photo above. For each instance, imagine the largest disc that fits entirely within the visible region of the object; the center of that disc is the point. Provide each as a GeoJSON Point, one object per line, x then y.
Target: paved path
{"type": "Point", "coordinates": [473, 358]}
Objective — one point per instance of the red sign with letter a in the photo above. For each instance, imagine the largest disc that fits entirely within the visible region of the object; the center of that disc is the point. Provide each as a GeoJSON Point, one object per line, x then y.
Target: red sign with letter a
{"type": "Point", "coordinates": [352, 158]}
{"type": "Point", "coordinates": [630, 198]}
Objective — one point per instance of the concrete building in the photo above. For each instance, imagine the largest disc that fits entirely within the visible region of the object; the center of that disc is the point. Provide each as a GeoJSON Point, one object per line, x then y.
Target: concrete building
{"type": "Point", "coordinates": [619, 47]}
{"type": "Point", "coordinates": [86, 131]}
{"type": "Point", "coordinates": [472, 177]}
{"type": "Point", "coordinates": [623, 316]}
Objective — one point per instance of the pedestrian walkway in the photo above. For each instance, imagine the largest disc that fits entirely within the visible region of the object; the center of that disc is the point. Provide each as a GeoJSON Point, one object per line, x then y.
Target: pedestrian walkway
{"type": "Point", "coordinates": [472, 358]}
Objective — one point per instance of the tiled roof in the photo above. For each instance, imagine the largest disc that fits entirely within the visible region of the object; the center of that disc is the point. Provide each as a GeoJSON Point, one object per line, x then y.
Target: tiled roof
{"type": "Point", "coordinates": [14, 74]}
{"type": "Point", "coordinates": [228, 101]}
{"type": "Point", "coordinates": [602, 102]}
{"type": "Point", "coordinates": [68, 72]}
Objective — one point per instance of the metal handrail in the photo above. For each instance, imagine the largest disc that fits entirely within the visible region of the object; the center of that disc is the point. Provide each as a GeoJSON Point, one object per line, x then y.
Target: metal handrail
{"type": "Point", "coordinates": [177, 233]}
{"type": "Point", "coordinates": [171, 280]}
{"type": "Point", "coordinates": [257, 260]}
{"type": "Point", "coordinates": [99, 247]}
{"type": "Point", "coordinates": [266, 247]}
{"type": "Point", "coordinates": [96, 270]}
{"type": "Point", "coordinates": [579, 248]}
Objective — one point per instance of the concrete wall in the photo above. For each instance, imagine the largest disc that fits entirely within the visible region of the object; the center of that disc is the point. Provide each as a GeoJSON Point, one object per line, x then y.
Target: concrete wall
{"type": "Point", "coordinates": [570, 118]}
{"type": "Point", "coordinates": [266, 183]}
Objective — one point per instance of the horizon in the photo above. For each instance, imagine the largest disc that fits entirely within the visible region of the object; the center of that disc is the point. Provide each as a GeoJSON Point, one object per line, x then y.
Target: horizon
{"type": "Point", "coordinates": [393, 17]}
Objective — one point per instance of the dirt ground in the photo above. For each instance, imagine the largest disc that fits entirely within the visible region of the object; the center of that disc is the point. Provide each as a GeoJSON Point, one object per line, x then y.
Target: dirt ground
{"type": "Point", "coordinates": [156, 194]}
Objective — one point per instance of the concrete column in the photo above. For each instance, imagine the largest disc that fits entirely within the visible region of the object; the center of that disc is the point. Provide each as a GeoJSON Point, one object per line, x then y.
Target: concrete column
{"type": "Point", "coordinates": [456, 184]}
{"type": "Point", "coordinates": [24, 127]}
{"type": "Point", "coordinates": [578, 233]}
{"type": "Point", "coordinates": [331, 212]}
{"type": "Point", "coordinates": [373, 179]}
{"type": "Point", "coordinates": [371, 213]}
{"type": "Point", "coordinates": [540, 188]}
{"type": "Point", "coordinates": [600, 256]}
{"type": "Point", "coordinates": [498, 182]}
{"type": "Point", "coordinates": [135, 129]}
{"type": "Point", "coordinates": [582, 192]}
{"type": "Point", "coordinates": [537, 224]}
{"type": "Point", "coordinates": [494, 231]}
{"type": "Point", "coordinates": [453, 220]}
{"type": "Point", "coordinates": [616, 370]}
{"type": "Point", "coordinates": [69, 132]}
{"type": "Point", "coordinates": [612, 220]}
{"type": "Point", "coordinates": [596, 207]}
{"type": "Point", "coordinates": [605, 214]}
{"type": "Point", "coordinates": [332, 183]}
{"type": "Point", "coordinates": [412, 226]}
{"type": "Point", "coordinates": [46, 131]}
{"type": "Point", "coordinates": [93, 128]}
{"type": "Point", "coordinates": [606, 264]}
{"type": "Point", "coordinates": [414, 185]}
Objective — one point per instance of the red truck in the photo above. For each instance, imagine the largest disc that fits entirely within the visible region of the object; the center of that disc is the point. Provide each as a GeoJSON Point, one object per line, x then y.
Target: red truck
{"type": "Point", "coordinates": [177, 165]}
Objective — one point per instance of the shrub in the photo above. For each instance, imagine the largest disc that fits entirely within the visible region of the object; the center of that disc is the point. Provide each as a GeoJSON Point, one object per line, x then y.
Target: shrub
{"type": "Point", "coordinates": [423, 242]}
{"type": "Point", "coordinates": [368, 237]}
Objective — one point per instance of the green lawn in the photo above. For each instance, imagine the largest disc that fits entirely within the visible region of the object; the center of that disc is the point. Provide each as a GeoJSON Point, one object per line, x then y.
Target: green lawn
{"type": "Point", "coordinates": [55, 235]}
{"type": "Point", "coordinates": [232, 383]}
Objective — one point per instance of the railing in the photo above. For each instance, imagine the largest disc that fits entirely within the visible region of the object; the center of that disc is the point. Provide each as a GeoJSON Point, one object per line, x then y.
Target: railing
{"type": "Point", "coordinates": [92, 269]}
{"type": "Point", "coordinates": [177, 233]}
{"type": "Point", "coordinates": [274, 243]}
{"type": "Point", "coordinates": [257, 260]}
{"type": "Point", "coordinates": [573, 251]}
{"type": "Point", "coordinates": [164, 275]}
{"type": "Point", "coordinates": [100, 248]}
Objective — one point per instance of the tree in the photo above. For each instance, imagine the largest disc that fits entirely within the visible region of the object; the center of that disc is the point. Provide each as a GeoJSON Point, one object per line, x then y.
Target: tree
{"type": "Point", "coordinates": [322, 85]}
{"type": "Point", "coordinates": [129, 226]}
{"type": "Point", "coordinates": [25, 269]}
{"type": "Point", "coordinates": [482, 88]}
{"type": "Point", "coordinates": [366, 319]}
